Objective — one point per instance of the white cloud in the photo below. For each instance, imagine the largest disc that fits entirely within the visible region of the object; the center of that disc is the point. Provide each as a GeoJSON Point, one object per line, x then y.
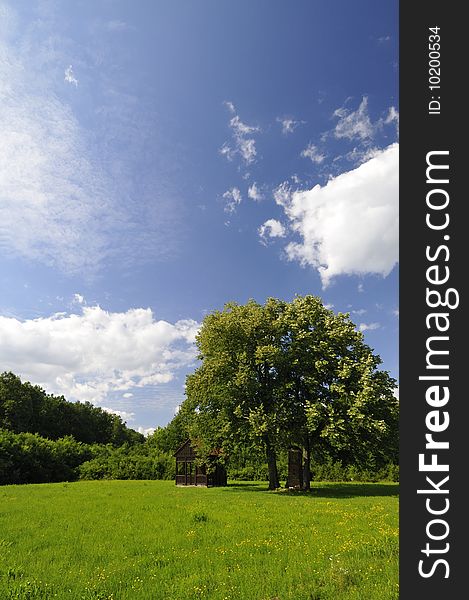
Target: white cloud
{"type": "Point", "coordinates": [312, 152]}
{"type": "Point", "coordinates": [354, 124]}
{"type": "Point", "coordinates": [227, 151]}
{"type": "Point", "coordinates": [67, 195]}
{"type": "Point", "coordinates": [368, 326]}
{"type": "Point", "coordinates": [232, 199]}
{"type": "Point", "coordinates": [244, 144]}
{"type": "Point", "coordinates": [357, 125]}
{"type": "Point", "coordinates": [393, 117]}
{"type": "Point", "coordinates": [240, 128]}
{"type": "Point", "coordinates": [146, 431]}
{"type": "Point", "coordinates": [295, 179]}
{"type": "Point", "coordinates": [91, 355]}
{"type": "Point", "coordinates": [283, 194]}
{"type": "Point", "coordinates": [288, 124]}
{"type": "Point", "coordinates": [127, 395]}
{"type": "Point", "coordinates": [395, 312]}
{"type": "Point", "coordinates": [230, 106]}
{"type": "Point", "coordinates": [350, 225]}
{"type": "Point", "coordinates": [359, 155]}
{"type": "Point", "coordinates": [78, 299]}
{"type": "Point", "coordinates": [52, 207]}
{"type": "Point", "coordinates": [247, 149]}
{"type": "Point", "coordinates": [70, 77]}
{"type": "Point", "coordinates": [124, 415]}
{"type": "Point", "coordinates": [271, 229]}
{"type": "Point", "coordinates": [359, 312]}
{"type": "Point", "coordinates": [254, 193]}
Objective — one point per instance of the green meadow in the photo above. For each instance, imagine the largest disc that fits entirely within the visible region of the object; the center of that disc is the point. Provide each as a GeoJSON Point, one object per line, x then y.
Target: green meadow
{"type": "Point", "coordinates": [151, 540]}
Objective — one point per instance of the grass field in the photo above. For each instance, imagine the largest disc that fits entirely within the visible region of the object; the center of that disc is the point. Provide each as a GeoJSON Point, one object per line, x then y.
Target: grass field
{"type": "Point", "coordinates": [148, 540]}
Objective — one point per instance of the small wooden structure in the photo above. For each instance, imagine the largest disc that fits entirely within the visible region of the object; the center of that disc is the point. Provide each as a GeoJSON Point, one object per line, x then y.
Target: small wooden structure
{"type": "Point", "coordinates": [188, 473]}
{"type": "Point", "coordinates": [295, 468]}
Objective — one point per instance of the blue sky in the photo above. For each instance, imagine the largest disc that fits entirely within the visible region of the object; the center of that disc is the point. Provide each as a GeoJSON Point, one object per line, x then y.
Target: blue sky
{"type": "Point", "coordinates": [158, 159]}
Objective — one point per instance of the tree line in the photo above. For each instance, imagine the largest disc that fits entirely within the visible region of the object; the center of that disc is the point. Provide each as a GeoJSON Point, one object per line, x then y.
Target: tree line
{"type": "Point", "coordinates": [28, 408]}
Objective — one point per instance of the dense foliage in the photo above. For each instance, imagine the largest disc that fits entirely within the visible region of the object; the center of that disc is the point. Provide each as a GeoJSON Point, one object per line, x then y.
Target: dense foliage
{"type": "Point", "coordinates": [28, 408]}
{"type": "Point", "coordinates": [29, 458]}
{"type": "Point", "coordinates": [127, 462]}
{"type": "Point", "coordinates": [44, 438]}
{"type": "Point", "coordinates": [291, 373]}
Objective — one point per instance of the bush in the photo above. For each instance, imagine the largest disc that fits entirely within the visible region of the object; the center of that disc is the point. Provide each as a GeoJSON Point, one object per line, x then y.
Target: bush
{"type": "Point", "coordinates": [29, 458]}
{"type": "Point", "coordinates": [26, 408]}
{"type": "Point", "coordinates": [330, 470]}
{"type": "Point", "coordinates": [249, 473]}
{"type": "Point", "coordinates": [125, 463]}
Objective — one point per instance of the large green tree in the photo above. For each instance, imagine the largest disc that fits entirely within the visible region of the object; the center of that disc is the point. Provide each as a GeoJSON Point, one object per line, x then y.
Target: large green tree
{"type": "Point", "coordinates": [341, 402]}
{"type": "Point", "coordinates": [289, 373]}
{"type": "Point", "coordinates": [235, 392]}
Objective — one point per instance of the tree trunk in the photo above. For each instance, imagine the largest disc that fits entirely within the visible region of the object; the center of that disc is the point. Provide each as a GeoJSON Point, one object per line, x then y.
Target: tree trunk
{"type": "Point", "coordinates": [272, 465]}
{"type": "Point", "coordinates": [307, 466]}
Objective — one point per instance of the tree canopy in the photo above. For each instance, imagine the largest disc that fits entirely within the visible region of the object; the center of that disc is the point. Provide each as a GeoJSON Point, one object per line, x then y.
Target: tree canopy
{"type": "Point", "coordinates": [28, 408]}
{"type": "Point", "coordinates": [286, 373]}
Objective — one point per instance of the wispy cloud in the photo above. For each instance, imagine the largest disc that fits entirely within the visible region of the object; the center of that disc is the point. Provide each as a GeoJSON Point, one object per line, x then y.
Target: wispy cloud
{"type": "Point", "coordinates": [313, 153]}
{"type": "Point", "coordinates": [70, 77]}
{"type": "Point", "coordinates": [288, 124]}
{"type": "Point", "coordinates": [358, 127]}
{"type": "Point", "coordinates": [393, 117]}
{"type": "Point", "coordinates": [360, 154]}
{"type": "Point", "coordinates": [369, 326]}
{"type": "Point", "coordinates": [53, 209]}
{"type": "Point", "coordinates": [271, 229]}
{"type": "Point", "coordinates": [78, 299]}
{"type": "Point", "coordinates": [68, 197]}
{"type": "Point", "coordinates": [230, 106]}
{"type": "Point", "coordinates": [283, 194]}
{"type": "Point", "coordinates": [232, 199]}
{"type": "Point", "coordinates": [90, 355]}
{"type": "Point", "coordinates": [354, 124]}
{"type": "Point", "coordinates": [242, 144]}
{"type": "Point", "coordinates": [254, 193]}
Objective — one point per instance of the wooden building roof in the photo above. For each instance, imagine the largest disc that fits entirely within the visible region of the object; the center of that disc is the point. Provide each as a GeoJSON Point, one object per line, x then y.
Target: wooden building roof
{"type": "Point", "coordinates": [189, 452]}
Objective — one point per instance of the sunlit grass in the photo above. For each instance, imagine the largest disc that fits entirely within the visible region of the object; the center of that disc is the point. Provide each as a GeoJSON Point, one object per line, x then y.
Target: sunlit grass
{"type": "Point", "coordinates": [152, 540]}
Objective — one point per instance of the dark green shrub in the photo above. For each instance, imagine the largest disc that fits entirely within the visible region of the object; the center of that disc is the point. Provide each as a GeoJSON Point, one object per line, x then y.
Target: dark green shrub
{"type": "Point", "coordinates": [29, 458]}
